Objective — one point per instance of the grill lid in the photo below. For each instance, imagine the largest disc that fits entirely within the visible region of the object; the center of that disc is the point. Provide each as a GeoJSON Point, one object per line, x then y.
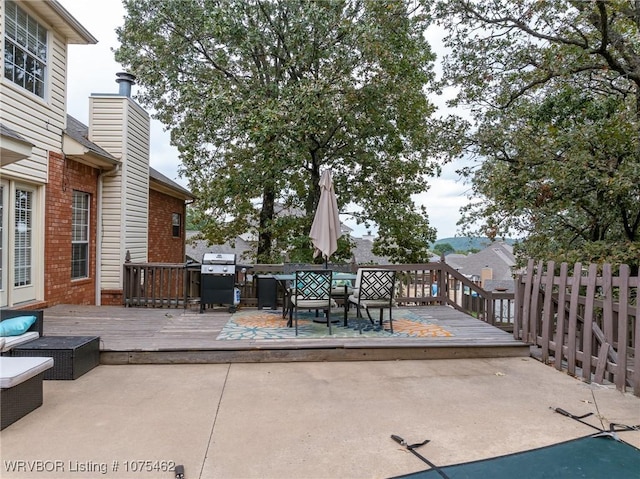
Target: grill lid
{"type": "Point", "coordinates": [219, 258]}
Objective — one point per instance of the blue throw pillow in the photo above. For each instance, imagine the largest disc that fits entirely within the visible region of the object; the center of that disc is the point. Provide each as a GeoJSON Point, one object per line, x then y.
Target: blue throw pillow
{"type": "Point", "coordinates": [16, 326]}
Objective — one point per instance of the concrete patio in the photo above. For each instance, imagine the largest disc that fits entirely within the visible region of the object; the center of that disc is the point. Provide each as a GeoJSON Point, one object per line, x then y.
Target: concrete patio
{"type": "Point", "coordinates": [300, 420]}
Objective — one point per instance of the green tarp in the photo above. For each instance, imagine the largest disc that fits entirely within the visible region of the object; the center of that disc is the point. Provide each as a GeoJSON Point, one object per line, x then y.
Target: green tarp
{"type": "Point", "coordinates": [587, 457]}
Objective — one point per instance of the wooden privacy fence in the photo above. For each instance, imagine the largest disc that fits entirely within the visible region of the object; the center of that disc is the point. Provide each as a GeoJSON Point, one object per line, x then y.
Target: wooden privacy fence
{"type": "Point", "coordinates": [585, 322]}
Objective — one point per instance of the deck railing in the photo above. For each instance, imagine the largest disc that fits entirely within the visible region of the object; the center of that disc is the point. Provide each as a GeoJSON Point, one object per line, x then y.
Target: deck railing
{"type": "Point", "coordinates": [585, 322]}
{"type": "Point", "coordinates": [178, 285]}
{"type": "Point", "coordinates": [157, 285]}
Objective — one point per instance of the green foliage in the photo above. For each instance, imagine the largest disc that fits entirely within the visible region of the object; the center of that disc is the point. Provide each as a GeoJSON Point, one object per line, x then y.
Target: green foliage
{"type": "Point", "coordinates": [260, 96]}
{"type": "Point", "coordinates": [301, 251]}
{"type": "Point", "coordinates": [443, 249]}
{"type": "Point", "coordinates": [466, 244]}
{"type": "Point", "coordinates": [554, 89]}
{"type": "Point", "coordinates": [194, 222]}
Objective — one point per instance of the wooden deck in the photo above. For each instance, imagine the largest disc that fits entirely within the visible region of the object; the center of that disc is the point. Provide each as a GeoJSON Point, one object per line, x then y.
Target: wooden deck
{"type": "Point", "coordinates": [148, 335]}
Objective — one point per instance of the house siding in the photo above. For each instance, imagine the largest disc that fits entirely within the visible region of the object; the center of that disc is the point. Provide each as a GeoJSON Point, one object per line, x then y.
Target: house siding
{"type": "Point", "coordinates": [163, 246]}
{"type": "Point", "coordinates": [38, 120]}
{"type": "Point", "coordinates": [106, 118]}
{"type": "Point", "coordinates": [65, 176]}
{"type": "Point", "coordinates": [121, 127]}
{"type": "Point", "coordinates": [137, 181]}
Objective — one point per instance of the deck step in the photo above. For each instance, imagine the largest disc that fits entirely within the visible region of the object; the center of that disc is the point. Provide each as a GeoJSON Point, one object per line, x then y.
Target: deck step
{"type": "Point", "coordinates": [312, 354]}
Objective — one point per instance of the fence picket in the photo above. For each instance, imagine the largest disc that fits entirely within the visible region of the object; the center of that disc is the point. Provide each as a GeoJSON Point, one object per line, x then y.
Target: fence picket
{"type": "Point", "coordinates": [526, 306]}
{"type": "Point", "coordinates": [547, 311]}
{"type": "Point", "coordinates": [623, 328]}
{"type": "Point", "coordinates": [587, 327]}
{"type": "Point", "coordinates": [572, 341]}
{"type": "Point", "coordinates": [601, 365]}
{"type": "Point", "coordinates": [560, 331]}
{"type": "Point", "coordinates": [534, 312]}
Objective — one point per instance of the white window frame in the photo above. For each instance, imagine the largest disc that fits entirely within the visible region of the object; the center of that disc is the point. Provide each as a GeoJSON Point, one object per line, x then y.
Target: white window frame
{"type": "Point", "coordinates": [24, 244]}
{"type": "Point", "coordinates": [80, 224]}
{"type": "Point", "coordinates": [22, 285]}
{"type": "Point", "coordinates": [174, 225]}
{"type": "Point", "coordinates": [29, 39]}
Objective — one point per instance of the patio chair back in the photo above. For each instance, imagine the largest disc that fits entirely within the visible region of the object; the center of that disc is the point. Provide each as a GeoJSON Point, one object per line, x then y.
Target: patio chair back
{"type": "Point", "coordinates": [374, 289]}
{"type": "Point", "coordinates": [377, 284]}
{"type": "Point", "coordinates": [312, 290]}
{"type": "Point", "coordinates": [313, 285]}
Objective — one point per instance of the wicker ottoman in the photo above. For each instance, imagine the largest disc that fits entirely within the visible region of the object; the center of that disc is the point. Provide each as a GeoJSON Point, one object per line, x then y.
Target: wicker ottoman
{"type": "Point", "coordinates": [21, 386]}
{"type": "Point", "coordinates": [72, 355]}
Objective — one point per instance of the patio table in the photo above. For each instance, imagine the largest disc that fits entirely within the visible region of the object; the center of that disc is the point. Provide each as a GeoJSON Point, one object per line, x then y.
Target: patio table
{"type": "Point", "coordinates": [284, 280]}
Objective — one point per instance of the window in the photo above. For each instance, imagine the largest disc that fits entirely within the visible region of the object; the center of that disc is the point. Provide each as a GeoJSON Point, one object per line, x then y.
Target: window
{"type": "Point", "coordinates": [80, 235]}
{"type": "Point", "coordinates": [23, 237]}
{"type": "Point", "coordinates": [25, 49]}
{"type": "Point", "coordinates": [176, 222]}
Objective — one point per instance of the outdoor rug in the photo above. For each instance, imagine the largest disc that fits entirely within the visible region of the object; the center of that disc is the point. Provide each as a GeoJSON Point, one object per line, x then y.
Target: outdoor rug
{"type": "Point", "coordinates": [585, 458]}
{"type": "Point", "coordinates": [268, 324]}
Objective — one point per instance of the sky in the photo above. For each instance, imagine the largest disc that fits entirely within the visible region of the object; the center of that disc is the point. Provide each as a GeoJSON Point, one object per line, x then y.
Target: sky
{"type": "Point", "coordinates": [92, 69]}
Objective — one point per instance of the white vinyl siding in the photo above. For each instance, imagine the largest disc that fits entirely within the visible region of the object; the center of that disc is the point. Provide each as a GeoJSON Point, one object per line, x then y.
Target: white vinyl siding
{"type": "Point", "coordinates": [137, 170]}
{"type": "Point", "coordinates": [121, 127]}
{"type": "Point", "coordinates": [39, 121]}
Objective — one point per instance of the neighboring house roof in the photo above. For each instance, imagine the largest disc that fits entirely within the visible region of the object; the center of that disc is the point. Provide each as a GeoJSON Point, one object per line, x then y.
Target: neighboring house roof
{"type": "Point", "coordinates": [363, 252]}
{"type": "Point", "coordinates": [195, 250]}
{"type": "Point", "coordinates": [507, 286]}
{"type": "Point", "coordinates": [498, 256]}
{"type": "Point", "coordinates": [284, 211]}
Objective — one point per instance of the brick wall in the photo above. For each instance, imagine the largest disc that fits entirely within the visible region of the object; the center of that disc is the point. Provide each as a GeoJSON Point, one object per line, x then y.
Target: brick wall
{"type": "Point", "coordinates": [65, 176]}
{"type": "Point", "coordinates": [163, 246]}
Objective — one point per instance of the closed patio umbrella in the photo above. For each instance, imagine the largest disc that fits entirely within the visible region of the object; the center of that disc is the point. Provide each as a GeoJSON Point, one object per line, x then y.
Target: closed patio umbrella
{"type": "Point", "coordinates": [325, 229]}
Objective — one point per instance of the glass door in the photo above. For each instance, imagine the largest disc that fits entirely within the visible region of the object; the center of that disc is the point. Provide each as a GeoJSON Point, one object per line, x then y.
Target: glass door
{"type": "Point", "coordinates": [23, 245]}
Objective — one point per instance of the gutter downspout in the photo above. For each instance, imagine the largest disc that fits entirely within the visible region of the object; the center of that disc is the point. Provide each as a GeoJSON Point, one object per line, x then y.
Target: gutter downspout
{"type": "Point", "coordinates": [101, 177]}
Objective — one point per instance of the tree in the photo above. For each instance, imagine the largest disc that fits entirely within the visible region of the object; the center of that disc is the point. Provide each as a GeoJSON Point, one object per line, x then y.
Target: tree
{"type": "Point", "coordinates": [554, 90]}
{"type": "Point", "coordinates": [261, 95]}
{"type": "Point", "coordinates": [443, 249]}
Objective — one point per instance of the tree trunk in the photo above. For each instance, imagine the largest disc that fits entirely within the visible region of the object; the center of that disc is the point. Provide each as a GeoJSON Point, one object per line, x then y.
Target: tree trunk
{"type": "Point", "coordinates": [266, 218]}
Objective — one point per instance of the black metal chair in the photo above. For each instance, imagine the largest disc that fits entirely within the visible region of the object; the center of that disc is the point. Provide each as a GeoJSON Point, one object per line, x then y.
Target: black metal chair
{"type": "Point", "coordinates": [312, 290]}
{"type": "Point", "coordinates": [374, 289]}
{"type": "Point", "coordinates": [291, 268]}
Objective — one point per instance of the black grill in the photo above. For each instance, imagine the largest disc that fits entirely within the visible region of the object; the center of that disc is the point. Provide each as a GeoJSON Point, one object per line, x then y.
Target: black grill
{"type": "Point", "coordinates": [217, 280]}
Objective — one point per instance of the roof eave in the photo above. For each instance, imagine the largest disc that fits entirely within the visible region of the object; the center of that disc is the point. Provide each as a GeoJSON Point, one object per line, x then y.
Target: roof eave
{"type": "Point", "coordinates": [14, 149]}
{"type": "Point", "coordinates": [169, 190]}
{"type": "Point", "coordinates": [80, 153]}
{"type": "Point", "coordinates": [62, 21]}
